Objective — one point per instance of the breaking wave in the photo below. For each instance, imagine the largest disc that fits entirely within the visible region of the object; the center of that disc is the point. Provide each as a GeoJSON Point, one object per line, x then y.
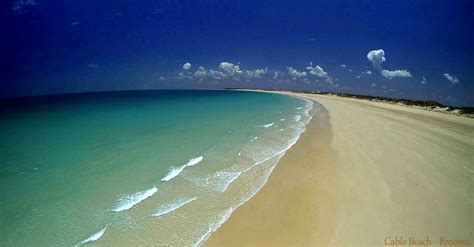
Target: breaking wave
{"type": "Point", "coordinates": [129, 201]}
{"type": "Point", "coordinates": [96, 236]}
{"type": "Point", "coordinates": [175, 171]}
{"type": "Point", "coordinates": [168, 208]}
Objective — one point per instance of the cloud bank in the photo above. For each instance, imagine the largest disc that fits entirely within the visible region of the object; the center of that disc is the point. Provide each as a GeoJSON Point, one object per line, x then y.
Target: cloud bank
{"type": "Point", "coordinates": [227, 71]}
{"type": "Point", "coordinates": [295, 73]}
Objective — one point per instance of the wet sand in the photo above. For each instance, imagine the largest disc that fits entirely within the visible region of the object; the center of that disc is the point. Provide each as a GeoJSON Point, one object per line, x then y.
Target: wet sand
{"type": "Point", "coordinates": [361, 174]}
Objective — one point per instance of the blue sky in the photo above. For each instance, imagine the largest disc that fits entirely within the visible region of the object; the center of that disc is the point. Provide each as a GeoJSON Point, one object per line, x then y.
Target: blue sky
{"type": "Point", "coordinates": [418, 49]}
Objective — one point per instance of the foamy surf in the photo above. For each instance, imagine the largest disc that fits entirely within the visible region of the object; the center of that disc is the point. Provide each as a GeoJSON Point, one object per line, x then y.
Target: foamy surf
{"type": "Point", "coordinates": [214, 226]}
{"type": "Point", "coordinates": [96, 236]}
{"type": "Point", "coordinates": [297, 118]}
{"type": "Point", "coordinates": [216, 223]}
{"type": "Point", "coordinates": [218, 181]}
{"type": "Point", "coordinates": [227, 178]}
{"type": "Point", "coordinates": [268, 125]}
{"type": "Point", "coordinates": [177, 170]}
{"type": "Point", "coordinates": [129, 201]}
{"type": "Point", "coordinates": [168, 208]}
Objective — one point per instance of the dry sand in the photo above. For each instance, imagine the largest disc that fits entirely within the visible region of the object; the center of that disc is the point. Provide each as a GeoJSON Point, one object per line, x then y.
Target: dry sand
{"type": "Point", "coordinates": [360, 173]}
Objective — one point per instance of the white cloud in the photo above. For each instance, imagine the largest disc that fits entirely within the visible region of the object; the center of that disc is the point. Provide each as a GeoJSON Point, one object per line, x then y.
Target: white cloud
{"type": "Point", "coordinates": [343, 65]}
{"type": "Point", "coordinates": [218, 75]}
{"type": "Point", "coordinates": [395, 73]}
{"type": "Point", "coordinates": [247, 74]}
{"type": "Point", "coordinates": [185, 74]}
{"type": "Point", "coordinates": [230, 68]}
{"type": "Point", "coordinates": [452, 79]}
{"type": "Point", "coordinates": [182, 76]}
{"type": "Point", "coordinates": [424, 80]}
{"type": "Point", "coordinates": [319, 72]}
{"type": "Point", "coordinates": [277, 74]}
{"type": "Point", "coordinates": [225, 70]}
{"type": "Point", "coordinates": [258, 73]}
{"type": "Point", "coordinates": [366, 72]}
{"type": "Point", "coordinates": [295, 73]}
{"type": "Point", "coordinates": [186, 66]}
{"type": "Point", "coordinates": [200, 73]}
{"type": "Point", "coordinates": [373, 85]}
{"type": "Point", "coordinates": [377, 57]}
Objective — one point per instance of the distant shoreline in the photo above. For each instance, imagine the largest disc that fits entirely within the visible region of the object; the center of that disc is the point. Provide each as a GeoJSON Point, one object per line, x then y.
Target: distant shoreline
{"type": "Point", "coordinates": [428, 105]}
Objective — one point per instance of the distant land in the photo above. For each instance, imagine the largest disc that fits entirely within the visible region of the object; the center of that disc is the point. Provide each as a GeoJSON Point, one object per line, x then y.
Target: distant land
{"type": "Point", "coordinates": [429, 105]}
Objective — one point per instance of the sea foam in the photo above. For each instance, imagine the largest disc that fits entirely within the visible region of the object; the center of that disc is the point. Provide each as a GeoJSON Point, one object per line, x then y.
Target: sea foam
{"type": "Point", "coordinates": [226, 178]}
{"type": "Point", "coordinates": [214, 225]}
{"type": "Point", "coordinates": [129, 201]}
{"type": "Point", "coordinates": [297, 118]}
{"type": "Point", "coordinates": [268, 125]}
{"type": "Point", "coordinates": [168, 208]}
{"type": "Point", "coordinates": [276, 154]}
{"type": "Point", "coordinates": [175, 171]}
{"type": "Point", "coordinates": [218, 221]}
{"type": "Point", "coordinates": [218, 181]}
{"type": "Point", "coordinates": [96, 236]}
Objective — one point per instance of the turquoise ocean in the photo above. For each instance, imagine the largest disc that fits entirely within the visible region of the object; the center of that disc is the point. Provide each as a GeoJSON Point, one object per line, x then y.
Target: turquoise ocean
{"type": "Point", "coordinates": [164, 167]}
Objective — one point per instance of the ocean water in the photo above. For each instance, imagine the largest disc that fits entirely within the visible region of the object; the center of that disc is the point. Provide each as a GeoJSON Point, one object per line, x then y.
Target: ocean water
{"type": "Point", "coordinates": [137, 168]}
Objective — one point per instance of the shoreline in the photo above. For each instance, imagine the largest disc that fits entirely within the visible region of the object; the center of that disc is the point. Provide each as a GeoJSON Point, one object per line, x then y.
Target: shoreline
{"type": "Point", "coordinates": [439, 108]}
{"type": "Point", "coordinates": [361, 172]}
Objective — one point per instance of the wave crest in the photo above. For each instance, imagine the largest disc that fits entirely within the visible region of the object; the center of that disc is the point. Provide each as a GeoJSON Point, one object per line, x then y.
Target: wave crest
{"type": "Point", "coordinates": [129, 201]}
{"type": "Point", "coordinates": [175, 171]}
{"type": "Point", "coordinates": [96, 236]}
{"type": "Point", "coordinates": [268, 125]}
{"type": "Point", "coordinates": [168, 208]}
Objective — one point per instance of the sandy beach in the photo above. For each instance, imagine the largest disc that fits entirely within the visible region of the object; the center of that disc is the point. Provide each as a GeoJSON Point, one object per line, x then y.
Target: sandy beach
{"type": "Point", "coordinates": [364, 173]}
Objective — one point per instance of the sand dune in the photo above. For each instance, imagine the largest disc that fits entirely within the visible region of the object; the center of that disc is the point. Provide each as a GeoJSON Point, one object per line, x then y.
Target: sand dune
{"type": "Point", "coordinates": [361, 173]}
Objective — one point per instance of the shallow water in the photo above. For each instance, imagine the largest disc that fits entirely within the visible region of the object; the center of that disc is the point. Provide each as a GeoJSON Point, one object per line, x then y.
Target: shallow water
{"type": "Point", "coordinates": [143, 167]}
